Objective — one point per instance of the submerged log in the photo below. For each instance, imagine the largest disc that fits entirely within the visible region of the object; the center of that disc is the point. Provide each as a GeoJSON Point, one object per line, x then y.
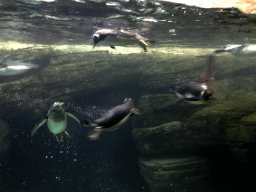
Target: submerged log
{"type": "Point", "coordinates": [68, 69]}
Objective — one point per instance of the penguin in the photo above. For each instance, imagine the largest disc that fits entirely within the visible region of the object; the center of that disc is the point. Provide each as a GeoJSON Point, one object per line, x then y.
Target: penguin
{"type": "Point", "coordinates": [56, 120]}
{"type": "Point", "coordinates": [240, 50]}
{"type": "Point", "coordinates": [114, 37]}
{"type": "Point", "coordinates": [112, 119]}
{"type": "Point", "coordinates": [191, 92]}
{"type": "Point", "coordinates": [10, 67]}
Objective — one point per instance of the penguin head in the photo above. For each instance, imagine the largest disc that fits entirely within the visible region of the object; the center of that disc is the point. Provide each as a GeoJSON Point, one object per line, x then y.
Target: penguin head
{"type": "Point", "coordinates": [97, 37]}
{"type": "Point", "coordinates": [58, 107]}
{"type": "Point", "coordinates": [127, 99]}
{"type": "Point", "coordinates": [207, 95]}
{"type": "Point", "coordinates": [128, 102]}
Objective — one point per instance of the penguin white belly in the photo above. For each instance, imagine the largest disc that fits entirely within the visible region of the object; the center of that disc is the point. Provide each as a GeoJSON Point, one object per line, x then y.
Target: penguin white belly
{"type": "Point", "coordinates": [240, 51]}
{"type": "Point", "coordinates": [249, 50]}
{"type": "Point", "coordinates": [56, 127]}
{"type": "Point", "coordinates": [13, 70]}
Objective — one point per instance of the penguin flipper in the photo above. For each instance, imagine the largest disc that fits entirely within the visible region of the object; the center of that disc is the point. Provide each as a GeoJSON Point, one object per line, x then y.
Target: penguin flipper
{"type": "Point", "coordinates": [74, 117]}
{"type": "Point", "coordinates": [112, 47]}
{"type": "Point", "coordinates": [38, 126]}
{"type": "Point", "coordinates": [172, 91]}
{"type": "Point", "coordinates": [62, 136]}
{"type": "Point", "coordinates": [95, 133]}
{"type": "Point", "coordinates": [143, 44]}
{"type": "Point", "coordinates": [136, 111]}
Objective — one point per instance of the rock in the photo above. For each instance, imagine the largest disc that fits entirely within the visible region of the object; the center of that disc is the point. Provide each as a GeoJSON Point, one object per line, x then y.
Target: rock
{"type": "Point", "coordinates": [158, 139]}
{"type": "Point", "coordinates": [237, 120]}
{"type": "Point", "coordinates": [171, 155]}
{"type": "Point", "coordinates": [247, 6]}
{"type": "Point", "coordinates": [4, 140]}
{"type": "Point", "coordinates": [4, 143]}
{"type": "Point", "coordinates": [148, 104]}
{"type": "Point", "coordinates": [176, 136]}
{"type": "Point", "coordinates": [234, 107]}
{"type": "Point", "coordinates": [81, 67]}
{"type": "Point", "coordinates": [249, 120]}
{"type": "Point", "coordinates": [175, 174]}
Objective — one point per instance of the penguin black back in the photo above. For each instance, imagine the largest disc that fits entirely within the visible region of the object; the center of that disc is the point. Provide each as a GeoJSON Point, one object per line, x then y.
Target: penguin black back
{"type": "Point", "coordinates": [115, 115]}
{"type": "Point", "coordinates": [192, 87]}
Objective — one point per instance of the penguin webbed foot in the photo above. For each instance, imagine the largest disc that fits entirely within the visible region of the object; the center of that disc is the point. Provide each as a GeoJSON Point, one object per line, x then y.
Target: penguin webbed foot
{"type": "Point", "coordinates": [62, 136]}
{"type": "Point", "coordinates": [171, 91]}
{"type": "Point", "coordinates": [144, 45]}
{"type": "Point", "coordinates": [112, 47]}
{"type": "Point", "coordinates": [95, 133]}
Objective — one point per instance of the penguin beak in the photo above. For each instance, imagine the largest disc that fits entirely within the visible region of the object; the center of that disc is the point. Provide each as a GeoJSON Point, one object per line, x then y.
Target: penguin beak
{"type": "Point", "coordinates": [61, 104]}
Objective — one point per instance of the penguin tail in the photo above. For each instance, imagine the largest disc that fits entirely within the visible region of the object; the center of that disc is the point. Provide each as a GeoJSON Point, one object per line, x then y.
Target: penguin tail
{"type": "Point", "coordinates": [95, 133]}
{"type": "Point", "coordinates": [62, 136]}
{"type": "Point", "coordinates": [219, 51]}
{"type": "Point", "coordinates": [172, 91]}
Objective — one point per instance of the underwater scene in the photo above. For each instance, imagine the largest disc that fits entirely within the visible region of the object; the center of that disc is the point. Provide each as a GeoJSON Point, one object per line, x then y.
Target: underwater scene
{"type": "Point", "coordinates": [126, 96]}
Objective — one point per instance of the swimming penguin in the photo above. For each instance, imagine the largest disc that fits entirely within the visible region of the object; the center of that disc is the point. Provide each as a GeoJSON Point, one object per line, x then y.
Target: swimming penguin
{"type": "Point", "coordinates": [113, 37]}
{"type": "Point", "coordinates": [241, 50]}
{"type": "Point", "coordinates": [192, 92]}
{"type": "Point", "coordinates": [9, 66]}
{"type": "Point", "coordinates": [112, 119]}
{"type": "Point", "coordinates": [56, 121]}
{"type": "Point", "coordinates": [12, 69]}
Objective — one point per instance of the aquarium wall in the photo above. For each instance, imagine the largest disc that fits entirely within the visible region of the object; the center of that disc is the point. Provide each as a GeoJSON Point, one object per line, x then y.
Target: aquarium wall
{"type": "Point", "coordinates": [127, 96]}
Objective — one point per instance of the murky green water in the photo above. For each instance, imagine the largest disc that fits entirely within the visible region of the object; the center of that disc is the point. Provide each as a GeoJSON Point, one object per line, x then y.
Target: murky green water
{"type": "Point", "coordinates": [47, 56]}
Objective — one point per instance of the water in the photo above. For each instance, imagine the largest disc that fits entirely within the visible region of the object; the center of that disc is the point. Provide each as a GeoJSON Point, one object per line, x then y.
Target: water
{"type": "Point", "coordinates": [189, 148]}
